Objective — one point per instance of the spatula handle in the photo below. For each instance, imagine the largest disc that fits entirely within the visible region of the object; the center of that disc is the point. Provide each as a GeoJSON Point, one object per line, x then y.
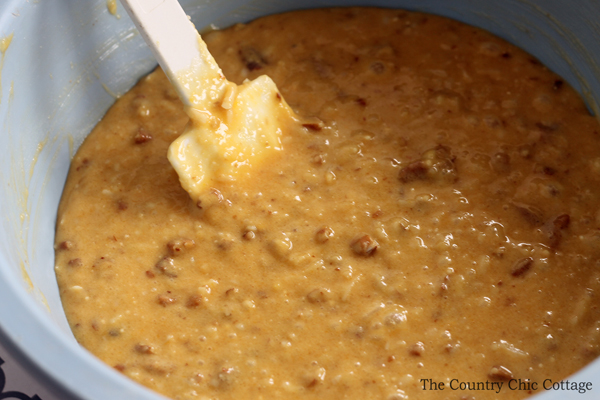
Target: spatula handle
{"type": "Point", "coordinates": [168, 32]}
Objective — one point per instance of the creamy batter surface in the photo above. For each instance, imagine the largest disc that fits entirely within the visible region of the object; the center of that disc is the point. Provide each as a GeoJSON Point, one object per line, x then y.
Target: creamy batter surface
{"type": "Point", "coordinates": [435, 221]}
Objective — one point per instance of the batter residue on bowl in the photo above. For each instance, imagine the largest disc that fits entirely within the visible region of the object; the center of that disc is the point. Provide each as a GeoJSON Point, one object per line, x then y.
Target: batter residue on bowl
{"type": "Point", "coordinates": [436, 222]}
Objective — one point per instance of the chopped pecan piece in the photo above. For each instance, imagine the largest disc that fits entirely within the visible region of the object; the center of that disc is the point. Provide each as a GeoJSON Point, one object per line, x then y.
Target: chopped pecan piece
{"type": "Point", "coordinates": [531, 214]}
{"type": "Point", "coordinates": [415, 171]}
{"type": "Point", "coordinates": [166, 299]}
{"type": "Point", "coordinates": [76, 262]}
{"type": "Point", "coordinates": [521, 266]}
{"type": "Point", "coordinates": [167, 267]}
{"type": "Point", "coordinates": [554, 229]}
{"type": "Point", "coordinates": [142, 136]}
{"type": "Point", "coordinates": [562, 221]}
{"type": "Point", "coordinates": [436, 165]}
{"type": "Point", "coordinates": [249, 235]}
{"type": "Point", "coordinates": [324, 234]}
{"type": "Point", "coordinates": [252, 59]}
{"type": "Point", "coordinates": [194, 301]}
{"type": "Point", "coordinates": [364, 246]}
{"type": "Point", "coordinates": [159, 367]}
{"type": "Point", "coordinates": [557, 84]}
{"type": "Point", "coordinates": [178, 246]}
{"type": "Point", "coordinates": [395, 319]}
{"type": "Point", "coordinates": [317, 296]}
{"type": "Point", "coordinates": [377, 67]}
{"type": "Point", "coordinates": [143, 349]}
{"type": "Point", "coordinates": [122, 205]}
{"type": "Point", "coordinates": [66, 245]}
{"type": "Point", "coordinates": [313, 124]}
{"type": "Point", "coordinates": [500, 373]}
{"type": "Point", "coordinates": [547, 127]}
{"type": "Point", "coordinates": [213, 197]}
{"type": "Point", "coordinates": [312, 383]}
{"type": "Point", "coordinates": [417, 349]}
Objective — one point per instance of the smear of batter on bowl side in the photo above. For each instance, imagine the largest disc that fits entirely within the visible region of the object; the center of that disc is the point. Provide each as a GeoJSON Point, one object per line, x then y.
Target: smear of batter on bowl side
{"type": "Point", "coordinates": [437, 222]}
{"type": "Point", "coordinates": [4, 44]}
{"type": "Point", "coordinates": [111, 5]}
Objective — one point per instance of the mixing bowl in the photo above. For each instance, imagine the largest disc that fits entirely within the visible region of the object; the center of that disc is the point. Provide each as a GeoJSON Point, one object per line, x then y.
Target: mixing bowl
{"type": "Point", "coordinates": [63, 62]}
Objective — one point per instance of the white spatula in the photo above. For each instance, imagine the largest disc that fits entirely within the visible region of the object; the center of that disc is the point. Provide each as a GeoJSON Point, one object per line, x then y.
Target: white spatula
{"type": "Point", "coordinates": [232, 128]}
